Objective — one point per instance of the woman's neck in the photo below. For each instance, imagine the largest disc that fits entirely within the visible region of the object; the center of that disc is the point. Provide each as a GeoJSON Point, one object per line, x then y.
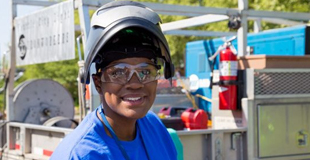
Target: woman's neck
{"type": "Point", "coordinates": [124, 129]}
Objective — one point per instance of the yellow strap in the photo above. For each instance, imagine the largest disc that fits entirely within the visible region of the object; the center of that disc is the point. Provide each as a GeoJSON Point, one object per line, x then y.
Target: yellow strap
{"type": "Point", "coordinates": [204, 98]}
{"type": "Point", "coordinates": [186, 91]}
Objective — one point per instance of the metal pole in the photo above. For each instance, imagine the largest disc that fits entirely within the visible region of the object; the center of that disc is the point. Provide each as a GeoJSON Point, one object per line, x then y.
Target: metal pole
{"type": "Point", "coordinates": [257, 25]}
{"type": "Point", "coordinates": [10, 87]}
{"type": "Point", "coordinates": [34, 3]}
{"type": "Point", "coordinates": [84, 21]}
{"type": "Point", "coordinates": [84, 17]}
{"type": "Point", "coordinates": [242, 31]}
{"type": "Point", "coordinates": [12, 67]}
{"type": "Point", "coordinates": [200, 33]}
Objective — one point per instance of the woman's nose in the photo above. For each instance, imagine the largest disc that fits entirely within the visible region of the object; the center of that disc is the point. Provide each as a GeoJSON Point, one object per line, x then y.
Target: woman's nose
{"type": "Point", "coordinates": [134, 80]}
{"type": "Point", "coordinates": [134, 75]}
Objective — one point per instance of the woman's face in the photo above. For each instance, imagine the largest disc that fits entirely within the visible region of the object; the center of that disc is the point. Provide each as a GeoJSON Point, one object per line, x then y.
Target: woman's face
{"type": "Point", "coordinates": [131, 100]}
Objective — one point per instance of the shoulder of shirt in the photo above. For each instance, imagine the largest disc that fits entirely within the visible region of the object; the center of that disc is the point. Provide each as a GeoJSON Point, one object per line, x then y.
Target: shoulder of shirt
{"type": "Point", "coordinates": [70, 144]}
{"type": "Point", "coordinates": [88, 135]}
{"type": "Point", "coordinates": [151, 116]}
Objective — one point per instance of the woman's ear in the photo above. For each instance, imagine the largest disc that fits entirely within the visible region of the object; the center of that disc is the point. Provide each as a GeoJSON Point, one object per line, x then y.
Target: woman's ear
{"type": "Point", "coordinates": [97, 82]}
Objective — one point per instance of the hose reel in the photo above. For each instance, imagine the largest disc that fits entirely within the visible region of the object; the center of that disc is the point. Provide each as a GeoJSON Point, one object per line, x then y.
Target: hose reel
{"type": "Point", "coordinates": [36, 101]}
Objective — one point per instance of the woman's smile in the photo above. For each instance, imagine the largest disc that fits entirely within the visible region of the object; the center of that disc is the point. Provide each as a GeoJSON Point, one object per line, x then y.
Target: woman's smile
{"type": "Point", "coordinates": [133, 99]}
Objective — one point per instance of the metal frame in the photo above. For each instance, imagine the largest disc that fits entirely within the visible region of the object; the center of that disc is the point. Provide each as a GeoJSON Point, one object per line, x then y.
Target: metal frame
{"type": "Point", "coordinates": [198, 15]}
{"type": "Point", "coordinates": [21, 133]}
{"type": "Point", "coordinates": [253, 125]}
{"type": "Point", "coordinates": [250, 109]}
{"type": "Point", "coordinates": [214, 144]}
{"type": "Point", "coordinates": [250, 79]}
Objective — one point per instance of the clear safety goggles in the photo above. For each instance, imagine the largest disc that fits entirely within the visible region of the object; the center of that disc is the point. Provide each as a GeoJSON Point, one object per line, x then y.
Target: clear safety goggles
{"type": "Point", "coordinates": [121, 73]}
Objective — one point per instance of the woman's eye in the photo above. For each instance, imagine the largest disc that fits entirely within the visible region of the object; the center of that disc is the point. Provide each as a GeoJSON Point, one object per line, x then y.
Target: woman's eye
{"type": "Point", "coordinates": [145, 72]}
{"type": "Point", "coordinates": [118, 73]}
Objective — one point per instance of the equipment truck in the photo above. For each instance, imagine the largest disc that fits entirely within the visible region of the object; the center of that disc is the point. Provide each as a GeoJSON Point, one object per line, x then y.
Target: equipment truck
{"type": "Point", "coordinates": [270, 119]}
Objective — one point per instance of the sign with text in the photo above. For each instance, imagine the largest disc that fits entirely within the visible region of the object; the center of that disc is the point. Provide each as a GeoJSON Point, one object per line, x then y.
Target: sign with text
{"type": "Point", "coordinates": [46, 35]}
{"type": "Point", "coordinates": [227, 122]}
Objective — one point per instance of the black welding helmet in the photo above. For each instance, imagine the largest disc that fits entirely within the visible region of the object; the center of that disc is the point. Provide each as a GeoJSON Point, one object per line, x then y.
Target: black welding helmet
{"type": "Point", "coordinates": [117, 19]}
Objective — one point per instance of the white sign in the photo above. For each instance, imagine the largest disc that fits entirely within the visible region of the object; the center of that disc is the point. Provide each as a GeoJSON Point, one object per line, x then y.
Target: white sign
{"type": "Point", "coordinates": [193, 83]}
{"type": "Point", "coordinates": [46, 35]}
{"type": "Point", "coordinates": [196, 83]}
{"type": "Point", "coordinates": [226, 122]}
{"type": "Point", "coordinates": [222, 89]}
{"type": "Point", "coordinates": [228, 68]}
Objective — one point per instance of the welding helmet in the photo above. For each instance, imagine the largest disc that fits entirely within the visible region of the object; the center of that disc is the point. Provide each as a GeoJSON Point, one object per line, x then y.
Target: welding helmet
{"type": "Point", "coordinates": [118, 19]}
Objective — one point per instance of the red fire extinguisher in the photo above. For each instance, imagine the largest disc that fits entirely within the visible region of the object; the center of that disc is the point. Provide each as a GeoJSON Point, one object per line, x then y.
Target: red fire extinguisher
{"type": "Point", "coordinates": [228, 77]}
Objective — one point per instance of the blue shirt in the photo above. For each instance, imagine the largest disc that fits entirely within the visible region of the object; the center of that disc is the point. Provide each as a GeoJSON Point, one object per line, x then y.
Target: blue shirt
{"type": "Point", "coordinates": [90, 141]}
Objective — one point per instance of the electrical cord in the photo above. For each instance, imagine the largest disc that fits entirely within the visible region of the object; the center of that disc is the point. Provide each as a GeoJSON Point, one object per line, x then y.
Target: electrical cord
{"type": "Point", "coordinates": [186, 91]}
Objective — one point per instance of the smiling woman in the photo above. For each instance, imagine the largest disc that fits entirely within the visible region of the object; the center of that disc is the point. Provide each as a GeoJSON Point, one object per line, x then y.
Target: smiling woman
{"type": "Point", "coordinates": [127, 102]}
{"type": "Point", "coordinates": [126, 44]}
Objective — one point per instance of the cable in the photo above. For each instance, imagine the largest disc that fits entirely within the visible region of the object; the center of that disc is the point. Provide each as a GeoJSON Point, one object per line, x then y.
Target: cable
{"type": "Point", "coordinates": [186, 91]}
{"type": "Point", "coordinates": [204, 98]}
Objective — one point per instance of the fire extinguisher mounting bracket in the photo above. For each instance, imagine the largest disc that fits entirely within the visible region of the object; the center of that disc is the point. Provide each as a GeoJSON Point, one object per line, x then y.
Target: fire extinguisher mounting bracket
{"type": "Point", "coordinates": [228, 83]}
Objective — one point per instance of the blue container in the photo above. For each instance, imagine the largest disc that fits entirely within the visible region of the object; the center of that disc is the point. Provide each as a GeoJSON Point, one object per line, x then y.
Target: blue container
{"type": "Point", "coordinates": [197, 54]}
{"type": "Point", "coordinates": [292, 41]}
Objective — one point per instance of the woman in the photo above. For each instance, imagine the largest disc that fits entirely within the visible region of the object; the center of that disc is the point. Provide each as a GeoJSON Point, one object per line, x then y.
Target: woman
{"type": "Point", "coordinates": [126, 44]}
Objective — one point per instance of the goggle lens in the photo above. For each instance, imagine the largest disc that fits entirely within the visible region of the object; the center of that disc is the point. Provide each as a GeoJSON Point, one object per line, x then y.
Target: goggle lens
{"type": "Point", "coordinates": [121, 73]}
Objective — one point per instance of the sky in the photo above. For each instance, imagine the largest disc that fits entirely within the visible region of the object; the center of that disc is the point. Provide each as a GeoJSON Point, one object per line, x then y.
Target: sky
{"type": "Point", "coordinates": [5, 21]}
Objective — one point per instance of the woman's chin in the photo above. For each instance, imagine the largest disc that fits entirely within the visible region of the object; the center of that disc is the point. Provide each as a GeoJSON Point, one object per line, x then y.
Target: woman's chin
{"type": "Point", "coordinates": [135, 113]}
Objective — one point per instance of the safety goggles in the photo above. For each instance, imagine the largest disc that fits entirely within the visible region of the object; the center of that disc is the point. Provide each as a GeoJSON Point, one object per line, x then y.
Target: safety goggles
{"type": "Point", "coordinates": [121, 73]}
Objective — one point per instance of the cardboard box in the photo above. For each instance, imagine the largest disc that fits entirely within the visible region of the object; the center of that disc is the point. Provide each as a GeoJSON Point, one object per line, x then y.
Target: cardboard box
{"type": "Point", "coordinates": [263, 61]}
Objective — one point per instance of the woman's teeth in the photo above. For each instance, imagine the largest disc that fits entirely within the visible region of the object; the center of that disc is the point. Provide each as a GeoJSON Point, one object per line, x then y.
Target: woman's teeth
{"type": "Point", "coordinates": [132, 99]}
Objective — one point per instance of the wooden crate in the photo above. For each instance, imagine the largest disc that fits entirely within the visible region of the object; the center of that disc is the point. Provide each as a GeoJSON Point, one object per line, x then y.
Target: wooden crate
{"type": "Point", "coordinates": [263, 61]}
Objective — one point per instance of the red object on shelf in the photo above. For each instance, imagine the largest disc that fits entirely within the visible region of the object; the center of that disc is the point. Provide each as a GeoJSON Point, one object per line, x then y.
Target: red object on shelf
{"type": "Point", "coordinates": [228, 73]}
{"type": "Point", "coordinates": [172, 111]}
{"type": "Point", "coordinates": [165, 110]}
{"type": "Point", "coordinates": [195, 119]}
